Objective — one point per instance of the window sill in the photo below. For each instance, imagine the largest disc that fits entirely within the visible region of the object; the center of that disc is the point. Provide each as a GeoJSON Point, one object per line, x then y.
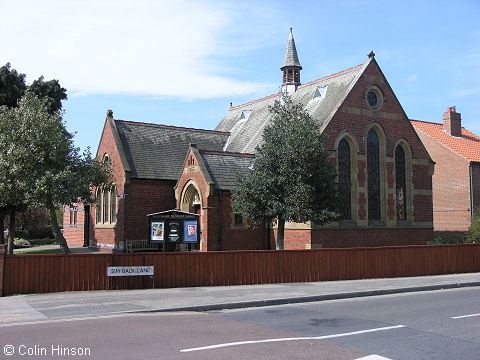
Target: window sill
{"type": "Point", "coordinates": [239, 227]}
{"type": "Point", "coordinates": [105, 226]}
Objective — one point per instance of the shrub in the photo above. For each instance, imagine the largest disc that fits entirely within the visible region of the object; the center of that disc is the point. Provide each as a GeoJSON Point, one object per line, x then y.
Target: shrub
{"type": "Point", "coordinates": [33, 224]}
{"type": "Point", "coordinates": [473, 234]}
{"type": "Point", "coordinates": [20, 243]}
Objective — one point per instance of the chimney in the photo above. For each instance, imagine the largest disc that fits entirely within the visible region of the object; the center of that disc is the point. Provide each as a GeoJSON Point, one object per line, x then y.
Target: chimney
{"type": "Point", "coordinates": [452, 122]}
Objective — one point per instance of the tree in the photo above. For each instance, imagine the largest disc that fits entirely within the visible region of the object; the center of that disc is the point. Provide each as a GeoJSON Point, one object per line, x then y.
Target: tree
{"type": "Point", "coordinates": [13, 185]}
{"type": "Point", "coordinates": [49, 169]}
{"type": "Point", "coordinates": [51, 91]}
{"type": "Point", "coordinates": [292, 178]}
{"type": "Point", "coordinates": [12, 86]}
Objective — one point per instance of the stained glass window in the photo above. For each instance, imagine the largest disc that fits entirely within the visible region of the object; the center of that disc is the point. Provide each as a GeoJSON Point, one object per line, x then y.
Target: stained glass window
{"type": "Point", "coordinates": [99, 206]}
{"type": "Point", "coordinates": [401, 192]}
{"type": "Point", "coordinates": [113, 206]}
{"type": "Point", "coordinates": [373, 169]}
{"type": "Point", "coordinates": [372, 99]}
{"type": "Point", "coordinates": [106, 206]}
{"type": "Point", "coordinates": [344, 178]}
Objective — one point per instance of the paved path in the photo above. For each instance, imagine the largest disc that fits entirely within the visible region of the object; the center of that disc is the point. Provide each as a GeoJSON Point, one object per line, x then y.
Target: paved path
{"type": "Point", "coordinates": [80, 304]}
{"type": "Point", "coordinates": [73, 249]}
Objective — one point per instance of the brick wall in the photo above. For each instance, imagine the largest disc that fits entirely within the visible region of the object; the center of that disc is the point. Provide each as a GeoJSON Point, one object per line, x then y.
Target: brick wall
{"type": "Point", "coordinates": [355, 116]}
{"type": "Point", "coordinates": [451, 188]}
{"type": "Point", "coordinates": [234, 238]}
{"type": "Point", "coordinates": [357, 123]}
{"type": "Point", "coordinates": [74, 232]}
{"type": "Point", "coordinates": [344, 238]}
{"type": "Point", "coordinates": [476, 185]}
{"type": "Point", "coordinates": [110, 236]}
{"type": "Point", "coordinates": [146, 197]}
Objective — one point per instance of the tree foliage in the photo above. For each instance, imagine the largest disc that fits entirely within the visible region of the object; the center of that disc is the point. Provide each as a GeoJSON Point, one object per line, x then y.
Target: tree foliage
{"type": "Point", "coordinates": [12, 86]}
{"type": "Point", "coordinates": [292, 178]}
{"type": "Point", "coordinates": [51, 91]}
{"type": "Point", "coordinates": [40, 163]}
{"type": "Point", "coordinates": [473, 234]}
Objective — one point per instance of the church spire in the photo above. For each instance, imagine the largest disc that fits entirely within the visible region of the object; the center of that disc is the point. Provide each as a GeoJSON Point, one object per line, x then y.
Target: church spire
{"type": "Point", "coordinates": [291, 67]}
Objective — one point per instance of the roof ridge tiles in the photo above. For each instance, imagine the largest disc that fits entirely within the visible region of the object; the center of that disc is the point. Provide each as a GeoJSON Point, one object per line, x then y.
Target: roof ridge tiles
{"type": "Point", "coordinates": [254, 101]}
{"type": "Point", "coordinates": [226, 153]}
{"type": "Point", "coordinates": [303, 85]}
{"type": "Point", "coordinates": [173, 127]}
{"type": "Point", "coordinates": [332, 75]}
{"type": "Point", "coordinates": [428, 122]}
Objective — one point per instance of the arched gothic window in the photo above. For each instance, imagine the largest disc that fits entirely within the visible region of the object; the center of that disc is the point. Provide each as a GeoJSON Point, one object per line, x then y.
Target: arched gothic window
{"type": "Point", "coordinates": [344, 178]}
{"type": "Point", "coordinates": [113, 205]}
{"type": "Point", "coordinates": [106, 206]}
{"type": "Point", "coordinates": [373, 170]}
{"type": "Point", "coordinates": [401, 189]}
{"type": "Point", "coordinates": [98, 212]}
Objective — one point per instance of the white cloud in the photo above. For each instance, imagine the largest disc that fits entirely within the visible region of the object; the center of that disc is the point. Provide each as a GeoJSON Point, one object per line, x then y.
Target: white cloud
{"type": "Point", "coordinates": [168, 48]}
{"type": "Point", "coordinates": [411, 78]}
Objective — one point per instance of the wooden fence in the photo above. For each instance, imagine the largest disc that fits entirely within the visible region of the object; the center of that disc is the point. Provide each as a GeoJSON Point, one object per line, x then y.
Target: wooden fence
{"type": "Point", "coordinates": [54, 273]}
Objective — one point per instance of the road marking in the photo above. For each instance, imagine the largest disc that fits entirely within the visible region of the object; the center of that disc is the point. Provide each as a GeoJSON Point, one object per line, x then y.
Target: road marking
{"type": "Point", "coordinates": [373, 357]}
{"type": "Point", "coordinates": [464, 316]}
{"type": "Point", "coordinates": [291, 339]}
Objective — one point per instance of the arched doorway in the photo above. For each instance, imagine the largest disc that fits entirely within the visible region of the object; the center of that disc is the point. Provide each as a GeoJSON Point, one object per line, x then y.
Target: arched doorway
{"type": "Point", "coordinates": [191, 201]}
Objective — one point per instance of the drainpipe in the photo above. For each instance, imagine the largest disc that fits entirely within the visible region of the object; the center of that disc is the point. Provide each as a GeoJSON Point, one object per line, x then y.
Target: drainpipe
{"type": "Point", "coordinates": [220, 220]}
{"type": "Point", "coordinates": [471, 190]}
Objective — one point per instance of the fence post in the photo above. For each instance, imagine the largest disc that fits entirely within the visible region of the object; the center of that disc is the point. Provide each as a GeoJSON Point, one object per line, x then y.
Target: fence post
{"type": "Point", "coordinates": [2, 266]}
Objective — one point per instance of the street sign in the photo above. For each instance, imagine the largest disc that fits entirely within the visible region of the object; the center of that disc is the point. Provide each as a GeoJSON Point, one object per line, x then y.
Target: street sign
{"type": "Point", "coordinates": [130, 270]}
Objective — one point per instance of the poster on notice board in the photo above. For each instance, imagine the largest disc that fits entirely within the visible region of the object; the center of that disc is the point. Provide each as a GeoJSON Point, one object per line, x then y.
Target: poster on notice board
{"type": "Point", "coordinates": [158, 231]}
{"type": "Point", "coordinates": [190, 231]}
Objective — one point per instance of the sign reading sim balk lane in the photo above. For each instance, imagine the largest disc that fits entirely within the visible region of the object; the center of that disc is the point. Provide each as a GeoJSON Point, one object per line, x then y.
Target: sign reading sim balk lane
{"type": "Point", "coordinates": [129, 270]}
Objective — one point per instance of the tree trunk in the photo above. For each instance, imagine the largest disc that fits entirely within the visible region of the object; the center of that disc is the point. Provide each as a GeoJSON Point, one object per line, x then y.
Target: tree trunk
{"type": "Point", "coordinates": [11, 232]}
{"type": "Point", "coordinates": [56, 230]}
{"type": "Point", "coordinates": [280, 233]}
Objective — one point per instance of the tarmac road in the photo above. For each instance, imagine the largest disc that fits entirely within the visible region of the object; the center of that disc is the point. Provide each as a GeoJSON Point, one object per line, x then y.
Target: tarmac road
{"type": "Point", "coordinates": [441, 324]}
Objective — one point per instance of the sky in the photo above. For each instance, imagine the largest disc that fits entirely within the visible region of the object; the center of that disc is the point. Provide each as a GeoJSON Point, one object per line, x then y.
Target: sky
{"type": "Point", "coordinates": [182, 62]}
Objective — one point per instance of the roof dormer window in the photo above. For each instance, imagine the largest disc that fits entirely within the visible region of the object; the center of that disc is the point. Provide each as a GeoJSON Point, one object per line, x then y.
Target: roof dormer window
{"type": "Point", "coordinates": [320, 92]}
{"type": "Point", "coordinates": [245, 114]}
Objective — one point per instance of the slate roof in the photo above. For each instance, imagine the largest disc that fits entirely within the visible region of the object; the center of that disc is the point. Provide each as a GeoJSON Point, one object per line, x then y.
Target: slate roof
{"type": "Point", "coordinates": [246, 134]}
{"type": "Point", "coordinates": [291, 56]}
{"type": "Point", "coordinates": [158, 151]}
{"type": "Point", "coordinates": [223, 167]}
{"type": "Point", "coordinates": [467, 146]}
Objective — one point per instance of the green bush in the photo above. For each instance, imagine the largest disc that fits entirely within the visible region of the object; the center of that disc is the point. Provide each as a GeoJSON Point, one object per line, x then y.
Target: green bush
{"type": "Point", "coordinates": [33, 224]}
{"type": "Point", "coordinates": [20, 243]}
{"type": "Point", "coordinates": [473, 234]}
{"type": "Point", "coordinates": [44, 241]}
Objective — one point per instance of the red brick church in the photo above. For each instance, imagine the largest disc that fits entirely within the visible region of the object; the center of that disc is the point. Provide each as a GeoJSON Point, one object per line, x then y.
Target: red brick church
{"type": "Point", "coordinates": [371, 139]}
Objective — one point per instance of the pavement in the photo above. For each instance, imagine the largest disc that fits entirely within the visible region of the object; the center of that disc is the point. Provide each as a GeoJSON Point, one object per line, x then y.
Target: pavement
{"type": "Point", "coordinates": [73, 249]}
{"type": "Point", "coordinates": [55, 306]}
